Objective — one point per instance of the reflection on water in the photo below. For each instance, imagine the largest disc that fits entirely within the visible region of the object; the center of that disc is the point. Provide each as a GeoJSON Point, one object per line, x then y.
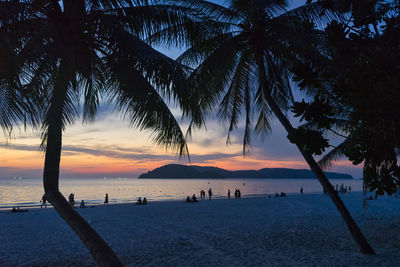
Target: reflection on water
{"type": "Point", "coordinates": [28, 192]}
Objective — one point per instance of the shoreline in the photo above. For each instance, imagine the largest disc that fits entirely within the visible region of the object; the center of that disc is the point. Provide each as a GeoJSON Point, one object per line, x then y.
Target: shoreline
{"type": "Point", "coordinates": [133, 202]}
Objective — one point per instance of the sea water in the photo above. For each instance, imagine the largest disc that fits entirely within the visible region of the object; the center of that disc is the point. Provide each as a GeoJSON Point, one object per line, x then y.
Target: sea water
{"type": "Point", "coordinates": [28, 192]}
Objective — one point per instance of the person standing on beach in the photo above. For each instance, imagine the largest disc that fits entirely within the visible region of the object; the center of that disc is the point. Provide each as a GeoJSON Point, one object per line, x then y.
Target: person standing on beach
{"type": "Point", "coordinates": [71, 200]}
{"type": "Point", "coordinates": [106, 199]}
{"type": "Point", "coordinates": [301, 190]}
{"type": "Point", "coordinates": [209, 194]}
{"type": "Point", "coordinates": [43, 200]}
{"type": "Point", "coordinates": [238, 193]}
{"type": "Point", "coordinates": [229, 193]}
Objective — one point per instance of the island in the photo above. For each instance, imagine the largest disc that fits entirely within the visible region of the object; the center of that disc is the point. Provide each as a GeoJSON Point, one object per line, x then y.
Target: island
{"type": "Point", "coordinates": [178, 171]}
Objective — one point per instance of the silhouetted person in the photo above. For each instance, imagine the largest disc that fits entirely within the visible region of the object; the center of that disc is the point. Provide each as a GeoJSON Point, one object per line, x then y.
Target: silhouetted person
{"type": "Point", "coordinates": [188, 199]}
{"type": "Point", "coordinates": [236, 193]}
{"type": "Point", "coordinates": [194, 199]}
{"type": "Point", "coordinates": [203, 193]}
{"type": "Point", "coordinates": [71, 199]}
{"type": "Point", "coordinates": [82, 204]}
{"type": "Point", "coordinates": [229, 193]}
{"type": "Point", "coordinates": [18, 210]}
{"type": "Point", "coordinates": [239, 194]}
{"type": "Point", "coordinates": [139, 201]}
{"type": "Point", "coordinates": [341, 188]}
{"type": "Point", "coordinates": [276, 194]}
{"type": "Point", "coordinates": [209, 194]}
{"type": "Point", "coordinates": [144, 201]}
{"type": "Point", "coordinates": [43, 200]}
{"type": "Point", "coordinates": [349, 188]}
{"type": "Point", "coordinates": [283, 194]}
{"type": "Point", "coordinates": [301, 190]}
{"type": "Point", "coordinates": [106, 199]}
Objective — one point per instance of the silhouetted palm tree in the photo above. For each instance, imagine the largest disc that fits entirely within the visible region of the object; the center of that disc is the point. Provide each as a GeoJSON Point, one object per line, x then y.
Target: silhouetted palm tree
{"type": "Point", "coordinates": [70, 50]}
{"type": "Point", "coordinates": [249, 64]}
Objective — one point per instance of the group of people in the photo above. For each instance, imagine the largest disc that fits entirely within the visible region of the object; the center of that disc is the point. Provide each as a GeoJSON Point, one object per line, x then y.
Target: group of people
{"type": "Point", "coordinates": [82, 205]}
{"type": "Point", "coordinates": [203, 194]}
{"type": "Point", "coordinates": [17, 209]}
{"type": "Point", "coordinates": [193, 199]}
{"type": "Point", "coordinates": [282, 194]}
{"type": "Point", "coordinates": [141, 202]}
{"type": "Point", "coordinates": [238, 194]}
{"type": "Point", "coordinates": [339, 189]}
{"type": "Point", "coordinates": [71, 200]}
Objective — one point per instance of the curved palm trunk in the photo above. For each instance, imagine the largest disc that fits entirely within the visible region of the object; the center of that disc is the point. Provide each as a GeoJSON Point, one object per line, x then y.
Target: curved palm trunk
{"type": "Point", "coordinates": [346, 216]}
{"type": "Point", "coordinates": [100, 250]}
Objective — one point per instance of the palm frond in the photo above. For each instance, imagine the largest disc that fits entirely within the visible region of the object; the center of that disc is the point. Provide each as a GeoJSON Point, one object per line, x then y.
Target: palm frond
{"type": "Point", "coordinates": [316, 13]}
{"type": "Point", "coordinates": [138, 101]}
{"type": "Point", "coordinates": [333, 155]}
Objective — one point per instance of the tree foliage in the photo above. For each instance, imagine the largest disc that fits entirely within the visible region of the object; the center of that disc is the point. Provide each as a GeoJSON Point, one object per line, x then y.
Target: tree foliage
{"type": "Point", "coordinates": [357, 76]}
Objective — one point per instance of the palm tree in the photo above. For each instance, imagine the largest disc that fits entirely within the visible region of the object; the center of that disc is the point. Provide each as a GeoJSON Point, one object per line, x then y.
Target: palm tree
{"type": "Point", "coordinates": [249, 66]}
{"type": "Point", "coordinates": [91, 50]}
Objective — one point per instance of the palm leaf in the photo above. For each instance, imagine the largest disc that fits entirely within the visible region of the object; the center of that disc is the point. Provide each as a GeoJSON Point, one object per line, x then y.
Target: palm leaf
{"type": "Point", "coordinates": [333, 155]}
{"type": "Point", "coordinates": [138, 101]}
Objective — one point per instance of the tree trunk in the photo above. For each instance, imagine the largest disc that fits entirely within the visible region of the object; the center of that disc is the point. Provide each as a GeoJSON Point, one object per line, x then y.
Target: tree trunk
{"type": "Point", "coordinates": [355, 231]}
{"type": "Point", "coordinates": [100, 250]}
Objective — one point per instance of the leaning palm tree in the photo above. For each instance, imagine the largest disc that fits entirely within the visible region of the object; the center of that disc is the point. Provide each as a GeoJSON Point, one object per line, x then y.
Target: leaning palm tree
{"type": "Point", "coordinates": [68, 51]}
{"type": "Point", "coordinates": [248, 66]}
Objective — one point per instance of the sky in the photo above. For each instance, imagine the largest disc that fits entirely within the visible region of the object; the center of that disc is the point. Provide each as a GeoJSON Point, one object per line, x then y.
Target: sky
{"type": "Point", "coordinates": [110, 148]}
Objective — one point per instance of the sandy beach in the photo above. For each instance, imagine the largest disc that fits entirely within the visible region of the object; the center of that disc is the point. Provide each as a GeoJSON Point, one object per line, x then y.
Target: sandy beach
{"type": "Point", "coordinates": [295, 230]}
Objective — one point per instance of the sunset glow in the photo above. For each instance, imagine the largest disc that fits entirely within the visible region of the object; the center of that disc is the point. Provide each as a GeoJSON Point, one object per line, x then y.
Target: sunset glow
{"type": "Point", "coordinates": [109, 147]}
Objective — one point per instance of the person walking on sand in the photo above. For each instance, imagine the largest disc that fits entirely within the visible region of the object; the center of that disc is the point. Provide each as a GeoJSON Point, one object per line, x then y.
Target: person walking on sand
{"type": "Point", "coordinates": [43, 200]}
{"type": "Point", "coordinates": [209, 194]}
{"type": "Point", "coordinates": [106, 199]}
{"type": "Point", "coordinates": [229, 193]}
{"type": "Point", "coordinates": [71, 200]}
